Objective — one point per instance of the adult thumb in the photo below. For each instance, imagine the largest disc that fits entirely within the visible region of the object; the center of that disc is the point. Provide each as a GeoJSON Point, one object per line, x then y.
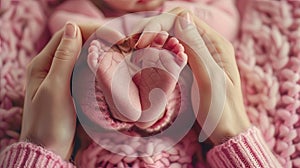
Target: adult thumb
{"type": "Point", "coordinates": [66, 53]}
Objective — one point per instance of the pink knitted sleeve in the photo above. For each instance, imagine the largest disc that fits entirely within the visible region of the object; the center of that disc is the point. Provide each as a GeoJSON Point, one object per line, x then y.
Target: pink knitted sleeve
{"type": "Point", "coordinates": [24, 154]}
{"type": "Point", "coordinates": [248, 149]}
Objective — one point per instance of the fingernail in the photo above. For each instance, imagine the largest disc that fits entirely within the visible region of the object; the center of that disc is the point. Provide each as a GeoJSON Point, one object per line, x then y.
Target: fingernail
{"type": "Point", "coordinates": [70, 30]}
{"type": "Point", "coordinates": [186, 21]}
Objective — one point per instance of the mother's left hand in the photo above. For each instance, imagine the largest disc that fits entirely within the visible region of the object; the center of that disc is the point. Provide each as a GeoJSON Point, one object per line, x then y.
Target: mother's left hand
{"type": "Point", "coordinates": [49, 117]}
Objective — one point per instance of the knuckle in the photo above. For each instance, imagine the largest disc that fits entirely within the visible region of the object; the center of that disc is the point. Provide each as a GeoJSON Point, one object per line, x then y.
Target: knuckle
{"type": "Point", "coordinates": [63, 54]}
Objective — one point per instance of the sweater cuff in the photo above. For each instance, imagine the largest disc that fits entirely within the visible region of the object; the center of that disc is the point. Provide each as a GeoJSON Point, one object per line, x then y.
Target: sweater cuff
{"type": "Point", "coordinates": [23, 154]}
{"type": "Point", "coordinates": [248, 149]}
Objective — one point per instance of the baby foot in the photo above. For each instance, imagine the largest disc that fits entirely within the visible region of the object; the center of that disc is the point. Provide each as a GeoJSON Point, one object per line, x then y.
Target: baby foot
{"type": "Point", "coordinates": [161, 65]}
{"type": "Point", "coordinates": [105, 62]}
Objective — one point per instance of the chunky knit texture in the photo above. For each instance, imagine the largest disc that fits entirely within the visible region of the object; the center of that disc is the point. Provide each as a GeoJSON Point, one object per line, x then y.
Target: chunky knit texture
{"type": "Point", "coordinates": [246, 150]}
{"type": "Point", "coordinates": [270, 78]}
{"type": "Point", "coordinates": [268, 56]}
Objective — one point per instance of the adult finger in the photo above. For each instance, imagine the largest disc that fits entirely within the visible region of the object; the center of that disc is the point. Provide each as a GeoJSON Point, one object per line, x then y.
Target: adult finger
{"type": "Point", "coordinates": [39, 66]}
{"type": "Point", "coordinates": [88, 29]}
{"type": "Point", "coordinates": [42, 62]}
{"type": "Point", "coordinates": [66, 53]}
{"type": "Point", "coordinates": [163, 22]}
{"type": "Point", "coordinates": [208, 74]}
{"type": "Point", "coordinates": [150, 27]}
{"type": "Point", "coordinates": [221, 49]}
{"type": "Point", "coordinates": [141, 24]}
{"type": "Point", "coordinates": [110, 35]}
{"type": "Point", "coordinates": [199, 57]}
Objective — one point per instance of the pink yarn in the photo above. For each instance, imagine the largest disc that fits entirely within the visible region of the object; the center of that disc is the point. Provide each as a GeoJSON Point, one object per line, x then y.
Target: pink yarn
{"type": "Point", "coordinates": [181, 155]}
{"type": "Point", "coordinates": [10, 124]}
{"type": "Point", "coordinates": [22, 25]}
{"type": "Point", "coordinates": [268, 56]}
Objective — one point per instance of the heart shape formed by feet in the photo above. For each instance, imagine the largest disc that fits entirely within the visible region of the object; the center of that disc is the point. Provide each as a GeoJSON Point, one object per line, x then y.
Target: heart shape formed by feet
{"type": "Point", "coordinates": [136, 88]}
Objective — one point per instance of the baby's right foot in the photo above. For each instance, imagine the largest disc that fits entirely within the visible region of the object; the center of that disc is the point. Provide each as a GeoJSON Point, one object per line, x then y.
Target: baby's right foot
{"type": "Point", "coordinates": [104, 61]}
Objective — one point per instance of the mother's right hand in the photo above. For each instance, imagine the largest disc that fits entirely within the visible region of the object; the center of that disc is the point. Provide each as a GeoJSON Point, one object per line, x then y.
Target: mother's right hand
{"type": "Point", "coordinates": [221, 113]}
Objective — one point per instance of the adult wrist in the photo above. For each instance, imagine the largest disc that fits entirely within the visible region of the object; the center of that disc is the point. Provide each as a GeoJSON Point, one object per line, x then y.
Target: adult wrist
{"type": "Point", "coordinates": [61, 150]}
{"type": "Point", "coordinates": [226, 132]}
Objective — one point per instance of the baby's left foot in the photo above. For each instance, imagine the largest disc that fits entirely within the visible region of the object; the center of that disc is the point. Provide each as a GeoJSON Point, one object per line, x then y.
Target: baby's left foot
{"type": "Point", "coordinates": [161, 66]}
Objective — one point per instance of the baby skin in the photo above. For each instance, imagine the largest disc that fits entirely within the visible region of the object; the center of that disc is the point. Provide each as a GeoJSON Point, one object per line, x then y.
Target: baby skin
{"type": "Point", "coordinates": [149, 75]}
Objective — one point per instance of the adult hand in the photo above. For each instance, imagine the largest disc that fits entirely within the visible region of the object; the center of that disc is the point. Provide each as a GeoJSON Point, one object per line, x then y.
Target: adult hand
{"type": "Point", "coordinates": [150, 27]}
{"type": "Point", "coordinates": [212, 60]}
{"type": "Point", "coordinates": [49, 117]}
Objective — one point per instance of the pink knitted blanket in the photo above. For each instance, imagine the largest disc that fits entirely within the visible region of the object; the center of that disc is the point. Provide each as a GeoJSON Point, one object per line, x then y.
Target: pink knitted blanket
{"type": "Point", "coordinates": [268, 56]}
